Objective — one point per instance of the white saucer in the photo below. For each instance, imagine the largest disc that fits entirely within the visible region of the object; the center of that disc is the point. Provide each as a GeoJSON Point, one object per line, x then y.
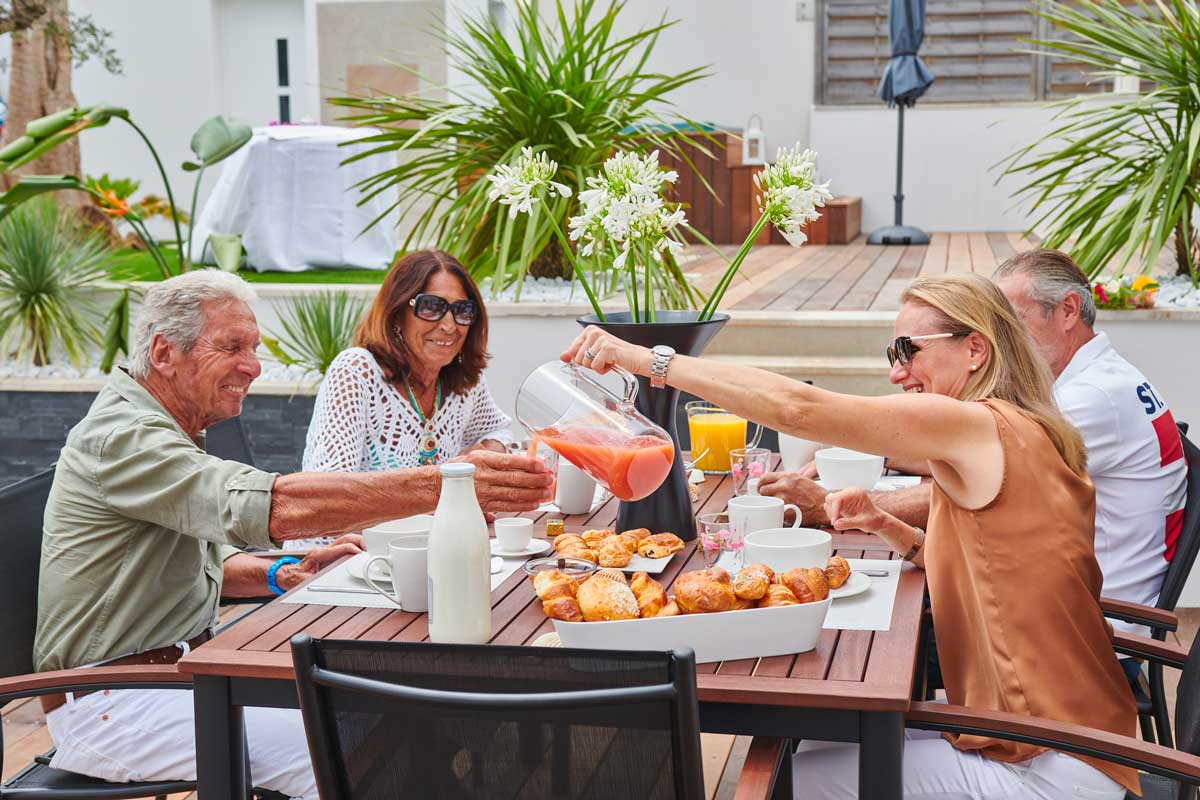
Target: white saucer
{"type": "Point", "coordinates": [857, 583]}
{"type": "Point", "coordinates": [381, 571]}
{"type": "Point", "coordinates": [535, 548]}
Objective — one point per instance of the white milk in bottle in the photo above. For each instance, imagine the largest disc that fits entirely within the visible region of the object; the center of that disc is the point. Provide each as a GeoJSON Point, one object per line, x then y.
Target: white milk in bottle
{"type": "Point", "coordinates": [460, 584]}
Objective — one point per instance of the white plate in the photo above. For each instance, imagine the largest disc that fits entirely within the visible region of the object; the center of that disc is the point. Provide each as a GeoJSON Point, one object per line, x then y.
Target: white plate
{"type": "Point", "coordinates": [380, 571]}
{"type": "Point", "coordinates": [857, 583]}
{"type": "Point", "coordinates": [650, 565]}
{"type": "Point", "coordinates": [534, 548]}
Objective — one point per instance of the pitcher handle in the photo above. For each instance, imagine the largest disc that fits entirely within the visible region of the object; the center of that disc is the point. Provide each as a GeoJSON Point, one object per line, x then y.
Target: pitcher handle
{"type": "Point", "coordinates": [631, 383]}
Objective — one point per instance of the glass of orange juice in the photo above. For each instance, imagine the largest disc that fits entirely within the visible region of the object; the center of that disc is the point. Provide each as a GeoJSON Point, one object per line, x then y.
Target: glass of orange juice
{"type": "Point", "coordinates": [714, 429]}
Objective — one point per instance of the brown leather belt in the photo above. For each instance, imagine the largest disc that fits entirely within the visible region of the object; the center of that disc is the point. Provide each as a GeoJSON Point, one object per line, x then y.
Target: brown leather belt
{"type": "Point", "coordinates": [159, 655]}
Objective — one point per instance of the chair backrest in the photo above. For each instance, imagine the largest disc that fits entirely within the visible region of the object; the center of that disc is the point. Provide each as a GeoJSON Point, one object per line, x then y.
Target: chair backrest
{"type": "Point", "coordinates": [227, 439]}
{"type": "Point", "coordinates": [1189, 537]}
{"type": "Point", "coordinates": [1187, 703]}
{"type": "Point", "coordinates": [408, 719]}
{"type": "Point", "coordinates": [22, 506]}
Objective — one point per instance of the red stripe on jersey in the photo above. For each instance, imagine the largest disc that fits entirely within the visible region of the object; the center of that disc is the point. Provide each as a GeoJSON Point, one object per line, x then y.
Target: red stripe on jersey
{"type": "Point", "coordinates": [1170, 446]}
{"type": "Point", "coordinates": [1174, 528]}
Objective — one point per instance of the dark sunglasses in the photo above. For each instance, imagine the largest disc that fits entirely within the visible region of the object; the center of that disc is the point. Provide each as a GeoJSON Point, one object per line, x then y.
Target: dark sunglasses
{"type": "Point", "coordinates": [432, 308]}
{"type": "Point", "coordinates": [903, 350]}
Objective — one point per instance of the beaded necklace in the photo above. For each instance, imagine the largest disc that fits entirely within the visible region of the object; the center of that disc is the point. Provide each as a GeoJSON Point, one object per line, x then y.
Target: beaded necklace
{"type": "Point", "coordinates": [429, 446]}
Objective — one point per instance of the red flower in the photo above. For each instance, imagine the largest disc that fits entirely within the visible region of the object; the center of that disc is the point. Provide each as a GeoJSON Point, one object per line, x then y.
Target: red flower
{"type": "Point", "coordinates": [1101, 295]}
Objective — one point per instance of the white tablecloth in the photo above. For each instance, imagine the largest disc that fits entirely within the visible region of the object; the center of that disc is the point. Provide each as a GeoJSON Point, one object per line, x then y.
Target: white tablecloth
{"type": "Point", "coordinates": [295, 207]}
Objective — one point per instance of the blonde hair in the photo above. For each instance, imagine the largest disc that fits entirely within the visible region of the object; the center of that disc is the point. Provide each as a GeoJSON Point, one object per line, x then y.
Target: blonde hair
{"type": "Point", "coordinates": [1013, 370]}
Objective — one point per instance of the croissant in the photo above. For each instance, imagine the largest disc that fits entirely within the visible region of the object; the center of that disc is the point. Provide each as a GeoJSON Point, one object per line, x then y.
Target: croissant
{"type": "Point", "coordinates": [671, 609]}
{"type": "Point", "coordinates": [752, 582]}
{"type": "Point", "coordinates": [837, 571]}
{"type": "Point", "coordinates": [637, 533]}
{"type": "Point", "coordinates": [595, 536]}
{"type": "Point", "coordinates": [603, 600]}
{"type": "Point", "coordinates": [564, 608]}
{"type": "Point", "coordinates": [580, 551]}
{"type": "Point", "coordinates": [660, 545]}
{"type": "Point", "coordinates": [741, 604]}
{"type": "Point", "coordinates": [651, 597]}
{"type": "Point", "coordinates": [809, 585]}
{"type": "Point", "coordinates": [612, 553]}
{"type": "Point", "coordinates": [554, 583]}
{"type": "Point", "coordinates": [567, 540]}
{"type": "Point", "coordinates": [611, 575]}
{"type": "Point", "coordinates": [777, 595]}
{"type": "Point", "coordinates": [627, 540]}
{"type": "Point", "coordinates": [704, 592]}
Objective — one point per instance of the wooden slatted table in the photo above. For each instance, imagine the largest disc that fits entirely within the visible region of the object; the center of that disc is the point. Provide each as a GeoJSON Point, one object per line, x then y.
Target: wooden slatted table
{"type": "Point", "coordinates": [853, 687]}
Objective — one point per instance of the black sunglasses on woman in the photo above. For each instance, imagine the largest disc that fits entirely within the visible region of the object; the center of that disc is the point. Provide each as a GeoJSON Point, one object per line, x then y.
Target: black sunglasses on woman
{"type": "Point", "coordinates": [432, 308]}
{"type": "Point", "coordinates": [903, 350]}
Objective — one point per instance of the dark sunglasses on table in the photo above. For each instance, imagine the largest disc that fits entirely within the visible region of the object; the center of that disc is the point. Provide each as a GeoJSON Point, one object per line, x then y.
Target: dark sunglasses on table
{"type": "Point", "coordinates": [903, 349]}
{"type": "Point", "coordinates": [432, 308]}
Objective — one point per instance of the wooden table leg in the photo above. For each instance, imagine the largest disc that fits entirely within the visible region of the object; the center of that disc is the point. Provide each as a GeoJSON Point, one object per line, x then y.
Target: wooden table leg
{"type": "Point", "coordinates": [881, 755]}
{"type": "Point", "coordinates": [222, 771]}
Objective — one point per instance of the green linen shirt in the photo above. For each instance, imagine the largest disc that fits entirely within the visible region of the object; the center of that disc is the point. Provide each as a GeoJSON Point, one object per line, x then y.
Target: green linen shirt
{"type": "Point", "coordinates": [138, 524]}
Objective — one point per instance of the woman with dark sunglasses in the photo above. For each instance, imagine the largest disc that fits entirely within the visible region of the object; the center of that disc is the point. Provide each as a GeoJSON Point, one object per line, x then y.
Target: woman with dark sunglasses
{"type": "Point", "coordinates": [411, 391]}
{"type": "Point", "coordinates": [1011, 569]}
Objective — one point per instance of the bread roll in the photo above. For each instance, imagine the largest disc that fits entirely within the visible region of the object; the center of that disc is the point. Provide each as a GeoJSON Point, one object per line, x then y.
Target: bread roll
{"type": "Point", "coordinates": [612, 553]}
{"type": "Point", "coordinates": [660, 545]}
{"type": "Point", "coordinates": [741, 604]}
{"type": "Point", "coordinates": [650, 594]}
{"type": "Point", "coordinates": [837, 572]}
{"type": "Point", "coordinates": [808, 584]}
{"type": "Point", "coordinates": [611, 575]}
{"type": "Point", "coordinates": [704, 592]}
{"type": "Point", "coordinates": [554, 583]}
{"type": "Point", "coordinates": [585, 553]}
{"type": "Point", "coordinates": [627, 540]}
{"type": "Point", "coordinates": [604, 600]}
{"type": "Point", "coordinates": [752, 582]}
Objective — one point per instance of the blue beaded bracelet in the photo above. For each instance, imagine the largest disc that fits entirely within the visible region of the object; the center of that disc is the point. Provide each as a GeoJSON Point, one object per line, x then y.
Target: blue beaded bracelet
{"type": "Point", "coordinates": [271, 570]}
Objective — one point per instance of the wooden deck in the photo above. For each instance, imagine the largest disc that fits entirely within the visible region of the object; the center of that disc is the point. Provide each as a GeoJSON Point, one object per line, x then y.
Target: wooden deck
{"type": "Point", "coordinates": [849, 277]}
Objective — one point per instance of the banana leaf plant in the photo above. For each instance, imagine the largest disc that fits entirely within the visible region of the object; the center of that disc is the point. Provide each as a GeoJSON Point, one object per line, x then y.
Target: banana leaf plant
{"type": "Point", "coordinates": [1118, 175]}
{"type": "Point", "coordinates": [213, 142]}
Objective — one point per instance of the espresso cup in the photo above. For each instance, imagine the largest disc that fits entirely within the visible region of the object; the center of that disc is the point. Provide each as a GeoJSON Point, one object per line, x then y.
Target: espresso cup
{"type": "Point", "coordinates": [377, 537]}
{"type": "Point", "coordinates": [782, 549]}
{"type": "Point", "coordinates": [761, 511]}
{"type": "Point", "coordinates": [408, 558]}
{"type": "Point", "coordinates": [576, 489]}
{"type": "Point", "coordinates": [513, 533]}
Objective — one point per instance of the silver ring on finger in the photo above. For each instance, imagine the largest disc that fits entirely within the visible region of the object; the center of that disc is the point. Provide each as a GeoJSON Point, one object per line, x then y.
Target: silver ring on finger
{"type": "Point", "coordinates": [588, 354]}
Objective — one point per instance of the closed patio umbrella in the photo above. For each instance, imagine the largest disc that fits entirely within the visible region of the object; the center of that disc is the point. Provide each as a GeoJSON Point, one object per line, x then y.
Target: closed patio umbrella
{"type": "Point", "coordinates": [904, 80]}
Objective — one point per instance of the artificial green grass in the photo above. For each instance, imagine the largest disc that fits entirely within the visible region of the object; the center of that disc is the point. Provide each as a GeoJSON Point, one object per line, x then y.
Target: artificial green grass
{"type": "Point", "coordinates": [139, 265]}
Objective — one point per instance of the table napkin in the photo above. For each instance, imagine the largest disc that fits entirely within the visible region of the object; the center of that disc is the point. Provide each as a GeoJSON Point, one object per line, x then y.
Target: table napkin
{"type": "Point", "coordinates": [871, 610]}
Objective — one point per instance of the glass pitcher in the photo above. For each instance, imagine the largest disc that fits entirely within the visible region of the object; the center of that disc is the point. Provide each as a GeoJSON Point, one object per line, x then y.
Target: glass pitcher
{"type": "Point", "coordinates": [594, 429]}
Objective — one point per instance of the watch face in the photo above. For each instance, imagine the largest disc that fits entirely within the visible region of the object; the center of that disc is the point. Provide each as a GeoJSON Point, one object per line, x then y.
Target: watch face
{"type": "Point", "coordinates": [663, 350]}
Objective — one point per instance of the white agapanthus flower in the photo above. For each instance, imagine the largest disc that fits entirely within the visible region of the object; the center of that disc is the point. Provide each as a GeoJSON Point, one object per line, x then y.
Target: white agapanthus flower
{"type": "Point", "coordinates": [788, 195]}
{"type": "Point", "coordinates": [624, 205]}
{"type": "Point", "coordinates": [519, 185]}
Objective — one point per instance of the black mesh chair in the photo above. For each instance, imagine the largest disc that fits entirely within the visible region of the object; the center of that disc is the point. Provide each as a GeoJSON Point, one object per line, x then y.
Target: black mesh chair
{"type": "Point", "coordinates": [394, 719]}
{"type": "Point", "coordinates": [1168, 774]}
{"type": "Point", "coordinates": [21, 507]}
{"type": "Point", "coordinates": [1151, 697]}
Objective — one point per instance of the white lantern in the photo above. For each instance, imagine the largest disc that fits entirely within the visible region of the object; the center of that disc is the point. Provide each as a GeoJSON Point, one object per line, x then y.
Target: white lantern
{"type": "Point", "coordinates": [754, 143]}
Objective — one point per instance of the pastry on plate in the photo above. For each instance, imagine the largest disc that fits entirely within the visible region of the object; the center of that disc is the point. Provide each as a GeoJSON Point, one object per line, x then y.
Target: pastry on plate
{"type": "Point", "coordinates": [660, 545]}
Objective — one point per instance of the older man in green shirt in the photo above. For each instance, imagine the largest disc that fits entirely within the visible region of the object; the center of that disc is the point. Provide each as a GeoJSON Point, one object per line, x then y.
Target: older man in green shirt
{"type": "Point", "coordinates": [142, 530]}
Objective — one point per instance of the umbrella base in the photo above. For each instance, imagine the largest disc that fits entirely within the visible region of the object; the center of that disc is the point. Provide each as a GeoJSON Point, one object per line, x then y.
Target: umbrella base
{"type": "Point", "coordinates": [898, 234]}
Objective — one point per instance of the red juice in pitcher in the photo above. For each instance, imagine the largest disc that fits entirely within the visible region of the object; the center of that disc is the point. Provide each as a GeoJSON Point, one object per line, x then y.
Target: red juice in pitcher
{"type": "Point", "coordinates": [631, 467]}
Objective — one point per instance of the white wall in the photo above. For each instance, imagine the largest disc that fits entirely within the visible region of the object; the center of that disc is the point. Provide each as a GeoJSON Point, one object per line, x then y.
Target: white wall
{"type": "Point", "coordinates": [950, 181]}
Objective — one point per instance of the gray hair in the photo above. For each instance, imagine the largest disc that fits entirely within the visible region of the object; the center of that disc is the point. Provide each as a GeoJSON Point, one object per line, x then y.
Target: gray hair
{"type": "Point", "coordinates": [1052, 276]}
{"type": "Point", "coordinates": [173, 308]}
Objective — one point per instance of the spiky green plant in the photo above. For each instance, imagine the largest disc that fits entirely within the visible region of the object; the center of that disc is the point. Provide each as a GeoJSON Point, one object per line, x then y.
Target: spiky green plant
{"type": "Point", "coordinates": [573, 85]}
{"type": "Point", "coordinates": [316, 327]}
{"type": "Point", "coordinates": [50, 269]}
{"type": "Point", "coordinates": [1118, 175]}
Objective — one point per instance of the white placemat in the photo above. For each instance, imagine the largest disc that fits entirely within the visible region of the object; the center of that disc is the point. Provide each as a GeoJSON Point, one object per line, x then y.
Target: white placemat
{"type": "Point", "coordinates": [871, 610]}
{"type": "Point", "coordinates": [890, 483]}
{"type": "Point", "coordinates": [340, 578]}
{"type": "Point", "coordinates": [599, 499]}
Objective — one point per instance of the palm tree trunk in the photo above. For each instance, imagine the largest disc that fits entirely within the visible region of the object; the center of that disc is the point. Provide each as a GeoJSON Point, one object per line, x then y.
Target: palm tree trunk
{"type": "Point", "coordinates": [39, 83]}
{"type": "Point", "coordinates": [1185, 246]}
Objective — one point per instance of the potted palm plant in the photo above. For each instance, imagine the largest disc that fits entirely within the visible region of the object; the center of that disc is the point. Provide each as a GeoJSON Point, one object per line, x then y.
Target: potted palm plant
{"type": "Point", "coordinates": [627, 227]}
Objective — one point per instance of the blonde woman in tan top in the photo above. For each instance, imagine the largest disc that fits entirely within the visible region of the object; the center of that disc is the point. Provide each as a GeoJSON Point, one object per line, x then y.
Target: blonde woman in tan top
{"type": "Point", "coordinates": [1011, 571]}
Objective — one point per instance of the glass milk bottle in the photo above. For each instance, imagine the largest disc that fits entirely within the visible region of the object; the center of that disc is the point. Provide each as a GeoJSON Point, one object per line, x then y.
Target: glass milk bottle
{"type": "Point", "coordinates": [460, 584]}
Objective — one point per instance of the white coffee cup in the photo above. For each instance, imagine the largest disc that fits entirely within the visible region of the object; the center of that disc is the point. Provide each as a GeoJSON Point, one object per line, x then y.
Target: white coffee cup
{"type": "Point", "coordinates": [378, 537]}
{"type": "Point", "coordinates": [761, 511]}
{"type": "Point", "coordinates": [408, 558]}
{"type": "Point", "coordinates": [513, 533]}
{"type": "Point", "coordinates": [782, 549]}
{"type": "Point", "coordinates": [840, 468]}
{"type": "Point", "coordinates": [576, 489]}
{"type": "Point", "coordinates": [795, 452]}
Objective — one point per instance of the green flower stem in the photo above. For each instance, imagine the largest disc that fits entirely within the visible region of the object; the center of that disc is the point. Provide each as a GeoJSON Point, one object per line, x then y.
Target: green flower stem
{"type": "Point", "coordinates": [566, 246]}
{"type": "Point", "coordinates": [185, 259]}
{"type": "Point", "coordinates": [166, 183]}
{"type": "Point", "coordinates": [151, 246]}
{"type": "Point", "coordinates": [714, 299]}
{"type": "Point", "coordinates": [501, 271]}
{"type": "Point", "coordinates": [527, 246]}
{"type": "Point", "coordinates": [650, 316]}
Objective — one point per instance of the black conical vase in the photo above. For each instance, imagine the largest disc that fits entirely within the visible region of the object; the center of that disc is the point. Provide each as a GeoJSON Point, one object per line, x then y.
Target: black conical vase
{"type": "Point", "coordinates": [670, 507]}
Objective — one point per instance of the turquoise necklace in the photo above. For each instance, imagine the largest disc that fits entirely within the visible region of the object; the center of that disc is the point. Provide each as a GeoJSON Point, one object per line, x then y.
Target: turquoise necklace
{"type": "Point", "coordinates": [429, 447]}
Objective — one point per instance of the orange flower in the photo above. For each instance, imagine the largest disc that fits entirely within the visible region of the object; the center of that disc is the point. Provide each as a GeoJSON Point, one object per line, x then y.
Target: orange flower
{"type": "Point", "coordinates": [111, 204]}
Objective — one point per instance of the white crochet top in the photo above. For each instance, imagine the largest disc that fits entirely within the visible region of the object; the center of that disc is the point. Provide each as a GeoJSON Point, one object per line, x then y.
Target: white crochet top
{"type": "Point", "coordinates": [362, 423]}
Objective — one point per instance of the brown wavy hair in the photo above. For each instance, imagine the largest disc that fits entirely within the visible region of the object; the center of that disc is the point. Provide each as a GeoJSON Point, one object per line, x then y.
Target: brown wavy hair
{"type": "Point", "coordinates": [405, 280]}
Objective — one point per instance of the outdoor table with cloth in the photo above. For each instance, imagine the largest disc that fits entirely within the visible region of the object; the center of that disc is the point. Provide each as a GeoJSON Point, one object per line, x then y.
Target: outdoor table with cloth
{"type": "Point", "coordinates": [854, 687]}
{"type": "Point", "coordinates": [295, 205]}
